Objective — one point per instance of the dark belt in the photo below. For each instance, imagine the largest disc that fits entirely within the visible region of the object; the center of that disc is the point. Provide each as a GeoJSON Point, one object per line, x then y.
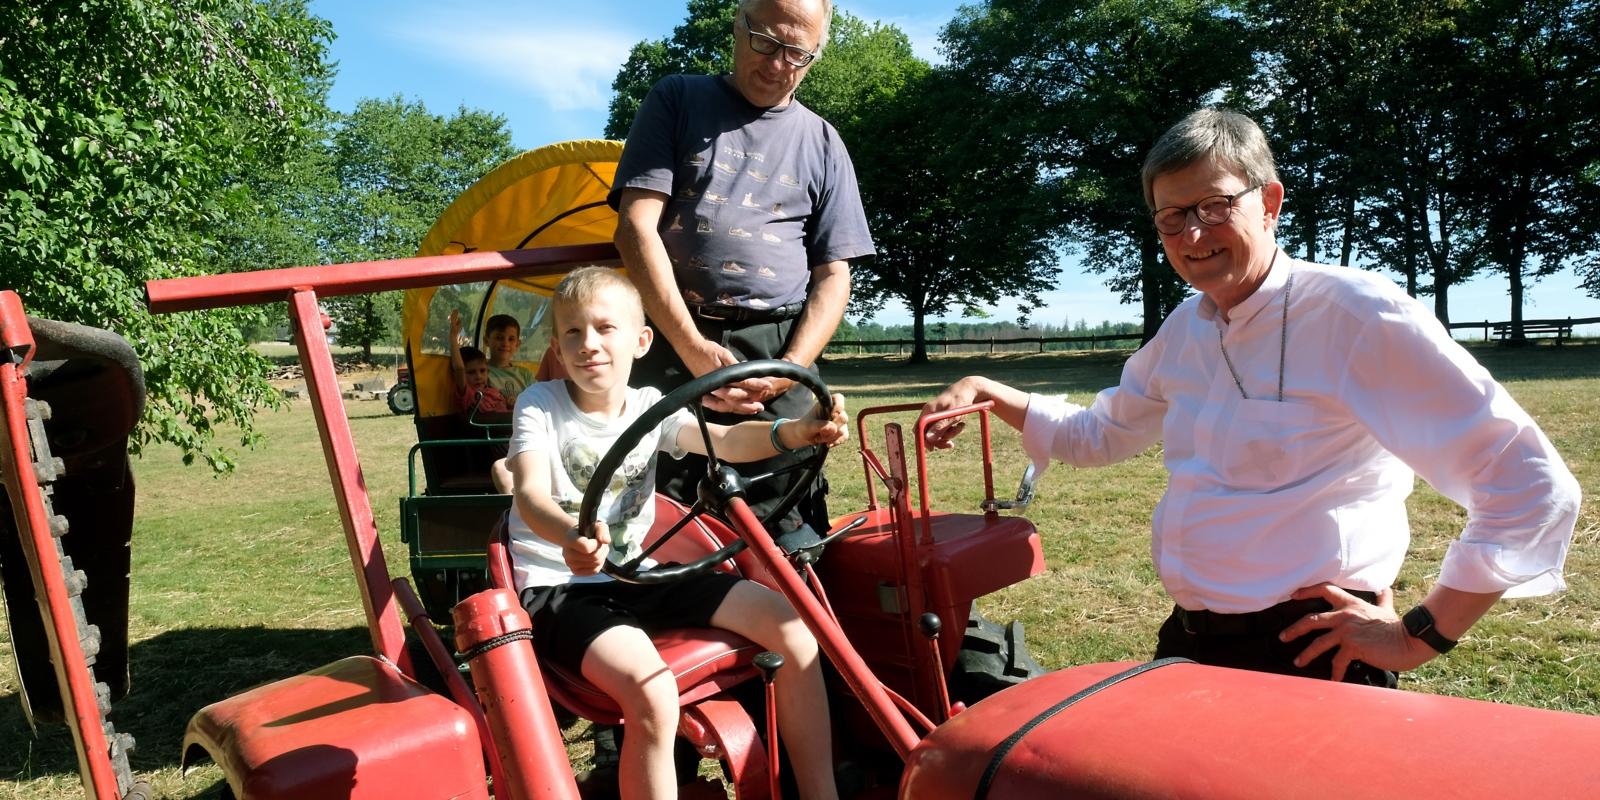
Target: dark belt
{"type": "Point", "coordinates": [722, 313]}
{"type": "Point", "coordinates": [1267, 620]}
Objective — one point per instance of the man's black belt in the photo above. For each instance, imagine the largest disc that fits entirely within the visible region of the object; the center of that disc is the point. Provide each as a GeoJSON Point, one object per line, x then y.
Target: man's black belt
{"type": "Point", "coordinates": [1267, 620]}
{"type": "Point", "coordinates": [723, 313]}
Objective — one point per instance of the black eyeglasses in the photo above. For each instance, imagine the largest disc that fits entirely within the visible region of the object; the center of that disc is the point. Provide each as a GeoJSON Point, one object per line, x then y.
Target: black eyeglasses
{"type": "Point", "coordinates": [766, 45]}
{"type": "Point", "coordinates": [1213, 210]}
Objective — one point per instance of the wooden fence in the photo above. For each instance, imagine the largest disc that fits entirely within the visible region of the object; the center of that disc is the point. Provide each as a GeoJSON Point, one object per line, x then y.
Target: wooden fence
{"type": "Point", "coordinates": [1013, 344]}
{"type": "Point", "coordinates": [1486, 326]}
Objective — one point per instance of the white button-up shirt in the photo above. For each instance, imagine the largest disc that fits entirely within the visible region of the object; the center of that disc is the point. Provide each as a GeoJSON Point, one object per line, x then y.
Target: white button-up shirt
{"type": "Point", "coordinates": [1264, 497]}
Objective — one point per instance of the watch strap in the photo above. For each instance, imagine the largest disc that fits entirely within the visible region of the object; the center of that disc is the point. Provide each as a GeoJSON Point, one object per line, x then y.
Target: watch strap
{"type": "Point", "coordinates": [1419, 623]}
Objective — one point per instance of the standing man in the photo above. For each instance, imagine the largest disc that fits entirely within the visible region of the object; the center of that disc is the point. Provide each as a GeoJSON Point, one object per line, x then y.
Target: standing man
{"type": "Point", "coordinates": [739, 213]}
{"type": "Point", "coordinates": [1296, 404]}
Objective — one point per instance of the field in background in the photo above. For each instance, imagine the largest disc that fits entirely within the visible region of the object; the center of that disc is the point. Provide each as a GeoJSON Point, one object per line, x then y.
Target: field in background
{"type": "Point", "coordinates": [242, 580]}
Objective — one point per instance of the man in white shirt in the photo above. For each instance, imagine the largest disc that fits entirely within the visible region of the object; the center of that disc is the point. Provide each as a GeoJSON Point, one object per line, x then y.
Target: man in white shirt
{"type": "Point", "coordinates": [1296, 402]}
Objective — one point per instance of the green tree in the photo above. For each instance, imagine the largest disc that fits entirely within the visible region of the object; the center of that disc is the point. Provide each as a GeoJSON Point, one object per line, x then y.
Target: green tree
{"type": "Point", "coordinates": [1372, 108]}
{"type": "Point", "coordinates": [702, 45]}
{"type": "Point", "coordinates": [395, 167]}
{"type": "Point", "coordinates": [958, 209]}
{"type": "Point", "coordinates": [1536, 123]}
{"type": "Point", "coordinates": [1090, 85]}
{"type": "Point", "coordinates": [126, 130]}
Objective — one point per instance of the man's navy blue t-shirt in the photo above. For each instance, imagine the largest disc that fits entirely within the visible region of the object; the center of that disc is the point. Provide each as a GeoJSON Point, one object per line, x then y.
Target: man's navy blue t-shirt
{"type": "Point", "coordinates": [756, 197]}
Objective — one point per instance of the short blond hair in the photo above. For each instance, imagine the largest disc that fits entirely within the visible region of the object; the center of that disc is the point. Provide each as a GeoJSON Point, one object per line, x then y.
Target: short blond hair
{"type": "Point", "coordinates": [581, 285]}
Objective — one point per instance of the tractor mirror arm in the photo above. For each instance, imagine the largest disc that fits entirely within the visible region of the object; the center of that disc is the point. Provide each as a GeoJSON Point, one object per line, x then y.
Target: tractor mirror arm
{"type": "Point", "coordinates": [1025, 490]}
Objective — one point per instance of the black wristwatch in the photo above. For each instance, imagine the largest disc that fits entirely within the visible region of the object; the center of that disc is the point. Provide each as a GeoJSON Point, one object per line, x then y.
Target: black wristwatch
{"type": "Point", "coordinates": [1419, 623]}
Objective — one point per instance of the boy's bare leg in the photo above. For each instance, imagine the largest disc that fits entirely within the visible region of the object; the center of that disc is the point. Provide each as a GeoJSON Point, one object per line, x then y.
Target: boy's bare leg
{"type": "Point", "coordinates": [623, 663]}
{"type": "Point", "coordinates": [765, 617]}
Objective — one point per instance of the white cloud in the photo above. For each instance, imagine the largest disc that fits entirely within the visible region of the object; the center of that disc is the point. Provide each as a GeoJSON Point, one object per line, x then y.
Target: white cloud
{"type": "Point", "coordinates": [568, 68]}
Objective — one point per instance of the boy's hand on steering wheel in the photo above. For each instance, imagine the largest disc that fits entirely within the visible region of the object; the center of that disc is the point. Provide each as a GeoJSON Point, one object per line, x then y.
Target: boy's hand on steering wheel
{"type": "Point", "coordinates": [811, 429]}
{"type": "Point", "coordinates": [586, 554]}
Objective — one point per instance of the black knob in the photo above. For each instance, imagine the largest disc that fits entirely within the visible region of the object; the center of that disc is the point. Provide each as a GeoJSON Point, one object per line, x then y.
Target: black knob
{"type": "Point", "coordinates": [931, 625]}
{"type": "Point", "coordinates": [768, 662]}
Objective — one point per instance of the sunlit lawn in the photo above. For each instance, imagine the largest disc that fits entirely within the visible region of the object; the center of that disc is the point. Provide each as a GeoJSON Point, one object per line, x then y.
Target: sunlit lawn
{"type": "Point", "coordinates": [245, 579]}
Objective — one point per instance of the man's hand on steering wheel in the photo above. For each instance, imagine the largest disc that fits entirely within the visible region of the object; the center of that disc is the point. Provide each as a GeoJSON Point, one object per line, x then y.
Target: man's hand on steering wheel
{"type": "Point", "coordinates": [744, 397]}
{"type": "Point", "coordinates": [810, 436]}
{"type": "Point", "coordinates": [585, 555]}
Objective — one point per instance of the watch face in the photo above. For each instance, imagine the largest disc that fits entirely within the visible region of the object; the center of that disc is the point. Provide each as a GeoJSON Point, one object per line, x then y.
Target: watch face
{"type": "Point", "coordinates": [1418, 620]}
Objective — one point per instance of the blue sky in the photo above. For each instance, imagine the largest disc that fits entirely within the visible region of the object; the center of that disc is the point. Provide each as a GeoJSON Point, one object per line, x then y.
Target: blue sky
{"type": "Point", "coordinates": [547, 66]}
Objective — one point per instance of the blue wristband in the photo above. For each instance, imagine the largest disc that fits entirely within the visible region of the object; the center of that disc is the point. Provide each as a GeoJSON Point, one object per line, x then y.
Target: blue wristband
{"type": "Point", "coordinates": [777, 443]}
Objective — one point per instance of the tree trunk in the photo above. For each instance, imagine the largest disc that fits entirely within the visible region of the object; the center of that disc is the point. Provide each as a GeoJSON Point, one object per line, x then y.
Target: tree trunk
{"type": "Point", "coordinates": [1150, 288]}
{"type": "Point", "coordinates": [919, 334]}
{"type": "Point", "coordinates": [1347, 247]}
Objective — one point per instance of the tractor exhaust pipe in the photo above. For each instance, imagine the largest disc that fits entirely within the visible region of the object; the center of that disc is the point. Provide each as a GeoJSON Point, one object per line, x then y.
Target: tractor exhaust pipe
{"type": "Point", "coordinates": [494, 635]}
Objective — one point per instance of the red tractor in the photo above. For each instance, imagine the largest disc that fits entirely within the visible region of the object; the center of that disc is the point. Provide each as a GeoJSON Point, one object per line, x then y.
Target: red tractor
{"type": "Point", "coordinates": [887, 591]}
{"type": "Point", "coordinates": [895, 576]}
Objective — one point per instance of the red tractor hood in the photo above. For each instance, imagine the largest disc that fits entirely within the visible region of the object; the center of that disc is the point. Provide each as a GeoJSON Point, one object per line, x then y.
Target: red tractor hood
{"type": "Point", "coordinates": [1185, 730]}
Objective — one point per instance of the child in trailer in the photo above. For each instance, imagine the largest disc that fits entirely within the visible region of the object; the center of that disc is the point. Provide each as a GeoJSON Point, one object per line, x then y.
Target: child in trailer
{"type": "Point", "coordinates": [502, 337]}
{"type": "Point", "coordinates": [470, 369]}
{"type": "Point", "coordinates": [590, 623]}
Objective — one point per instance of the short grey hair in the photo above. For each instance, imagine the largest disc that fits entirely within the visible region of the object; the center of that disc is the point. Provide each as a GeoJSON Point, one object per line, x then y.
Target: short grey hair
{"type": "Point", "coordinates": [1227, 137]}
{"type": "Point", "coordinates": [746, 6]}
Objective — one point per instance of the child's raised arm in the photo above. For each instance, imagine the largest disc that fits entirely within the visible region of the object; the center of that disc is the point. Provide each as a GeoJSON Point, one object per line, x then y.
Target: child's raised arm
{"type": "Point", "coordinates": [531, 498]}
{"type": "Point", "coordinates": [758, 439]}
{"type": "Point", "coordinates": [458, 368]}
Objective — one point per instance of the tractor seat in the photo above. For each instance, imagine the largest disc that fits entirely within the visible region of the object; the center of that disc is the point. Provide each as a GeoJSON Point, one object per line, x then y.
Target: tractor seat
{"type": "Point", "coordinates": [705, 661]}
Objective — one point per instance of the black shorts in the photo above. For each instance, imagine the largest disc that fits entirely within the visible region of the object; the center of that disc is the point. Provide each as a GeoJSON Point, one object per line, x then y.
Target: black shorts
{"type": "Point", "coordinates": [569, 616]}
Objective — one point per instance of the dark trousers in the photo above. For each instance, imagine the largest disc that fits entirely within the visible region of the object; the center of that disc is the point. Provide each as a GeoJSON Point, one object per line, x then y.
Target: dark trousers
{"type": "Point", "coordinates": [748, 341]}
{"type": "Point", "coordinates": [1250, 641]}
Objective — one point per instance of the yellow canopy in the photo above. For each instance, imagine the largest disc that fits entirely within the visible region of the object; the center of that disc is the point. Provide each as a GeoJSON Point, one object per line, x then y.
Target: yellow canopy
{"type": "Point", "coordinates": [555, 195]}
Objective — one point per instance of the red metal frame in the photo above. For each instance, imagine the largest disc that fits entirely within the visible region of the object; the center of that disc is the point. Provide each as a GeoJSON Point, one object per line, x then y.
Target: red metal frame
{"type": "Point", "coordinates": [913, 531]}
{"type": "Point", "coordinates": [302, 286]}
{"type": "Point", "coordinates": [270, 286]}
{"type": "Point", "coordinates": [33, 528]}
{"type": "Point", "coordinates": [866, 686]}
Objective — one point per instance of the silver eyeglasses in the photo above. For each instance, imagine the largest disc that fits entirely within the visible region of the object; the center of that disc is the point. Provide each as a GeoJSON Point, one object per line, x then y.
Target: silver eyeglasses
{"type": "Point", "coordinates": [1213, 210]}
{"type": "Point", "coordinates": [763, 44]}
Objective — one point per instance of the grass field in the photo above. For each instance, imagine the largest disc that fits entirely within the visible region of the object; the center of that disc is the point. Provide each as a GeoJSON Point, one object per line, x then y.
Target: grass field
{"type": "Point", "coordinates": [245, 579]}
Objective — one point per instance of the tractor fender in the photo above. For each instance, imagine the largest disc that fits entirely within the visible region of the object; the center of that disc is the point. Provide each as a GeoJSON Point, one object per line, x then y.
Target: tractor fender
{"type": "Point", "coordinates": [1186, 730]}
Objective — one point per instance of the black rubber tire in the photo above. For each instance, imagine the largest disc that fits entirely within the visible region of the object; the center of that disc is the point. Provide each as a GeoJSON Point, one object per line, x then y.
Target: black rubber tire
{"type": "Point", "coordinates": [402, 399]}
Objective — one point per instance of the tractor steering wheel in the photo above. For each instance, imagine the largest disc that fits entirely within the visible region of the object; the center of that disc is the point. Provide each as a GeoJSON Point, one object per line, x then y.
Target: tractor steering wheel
{"type": "Point", "coordinates": [721, 484]}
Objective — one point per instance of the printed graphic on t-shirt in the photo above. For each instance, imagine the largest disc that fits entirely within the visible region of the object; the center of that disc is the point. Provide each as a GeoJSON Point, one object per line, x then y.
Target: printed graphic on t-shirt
{"type": "Point", "coordinates": [580, 458]}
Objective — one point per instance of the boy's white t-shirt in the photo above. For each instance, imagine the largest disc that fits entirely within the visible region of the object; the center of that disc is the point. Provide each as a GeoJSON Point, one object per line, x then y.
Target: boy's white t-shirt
{"type": "Point", "coordinates": [547, 422]}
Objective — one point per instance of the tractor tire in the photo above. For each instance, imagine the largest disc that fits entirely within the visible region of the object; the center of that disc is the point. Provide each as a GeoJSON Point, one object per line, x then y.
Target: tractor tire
{"type": "Point", "coordinates": [992, 658]}
{"type": "Point", "coordinates": [48, 469]}
{"type": "Point", "coordinates": [402, 398]}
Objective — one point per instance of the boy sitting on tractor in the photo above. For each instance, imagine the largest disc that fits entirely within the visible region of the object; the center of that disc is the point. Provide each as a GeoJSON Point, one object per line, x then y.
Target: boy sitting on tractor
{"type": "Point", "coordinates": [597, 626]}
